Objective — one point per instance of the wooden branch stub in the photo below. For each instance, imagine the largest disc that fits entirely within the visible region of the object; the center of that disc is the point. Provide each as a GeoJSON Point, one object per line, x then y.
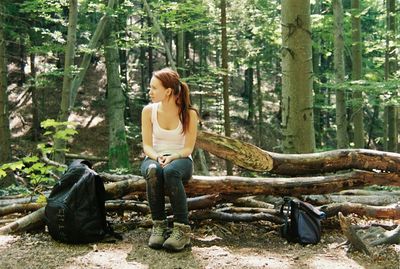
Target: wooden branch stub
{"type": "Point", "coordinates": [351, 235]}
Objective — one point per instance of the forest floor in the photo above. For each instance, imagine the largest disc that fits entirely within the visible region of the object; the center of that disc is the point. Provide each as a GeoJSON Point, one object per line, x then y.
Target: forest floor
{"type": "Point", "coordinates": [214, 245]}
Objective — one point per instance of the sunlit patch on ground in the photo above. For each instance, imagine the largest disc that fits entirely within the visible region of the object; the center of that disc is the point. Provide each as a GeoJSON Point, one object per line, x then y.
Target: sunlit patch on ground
{"type": "Point", "coordinates": [106, 258]}
{"type": "Point", "coordinates": [329, 261]}
{"type": "Point", "coordinates": [223, 257]}
{"type": "Point", "coordinates": [6, 240]}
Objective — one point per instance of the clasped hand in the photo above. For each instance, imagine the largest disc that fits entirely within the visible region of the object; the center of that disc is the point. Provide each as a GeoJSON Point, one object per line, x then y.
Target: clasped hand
{"type": "Point", "coordinates": [164, 160]}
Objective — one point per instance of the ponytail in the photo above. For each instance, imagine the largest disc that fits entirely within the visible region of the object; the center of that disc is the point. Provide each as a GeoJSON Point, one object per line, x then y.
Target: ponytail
{"type": "Point", "coordinates": [185, 105]}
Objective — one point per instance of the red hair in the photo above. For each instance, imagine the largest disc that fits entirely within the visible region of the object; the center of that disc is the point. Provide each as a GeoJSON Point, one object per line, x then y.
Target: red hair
{"type": "Point", "coordinates": [180, 90]}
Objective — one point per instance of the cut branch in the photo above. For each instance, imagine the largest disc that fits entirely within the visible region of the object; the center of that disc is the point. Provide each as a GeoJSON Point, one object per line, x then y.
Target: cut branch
{"type": "Point", "coordinates": [253, 158]}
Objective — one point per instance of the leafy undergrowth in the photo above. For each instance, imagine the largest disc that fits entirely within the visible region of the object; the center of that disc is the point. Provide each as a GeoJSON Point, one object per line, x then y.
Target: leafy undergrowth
{"type": "Point", "coordinates": [214, 245]}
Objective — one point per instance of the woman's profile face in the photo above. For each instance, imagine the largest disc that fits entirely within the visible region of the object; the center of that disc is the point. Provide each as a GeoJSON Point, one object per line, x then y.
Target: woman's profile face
{"type": "Point", "coordinates": [157, 91]}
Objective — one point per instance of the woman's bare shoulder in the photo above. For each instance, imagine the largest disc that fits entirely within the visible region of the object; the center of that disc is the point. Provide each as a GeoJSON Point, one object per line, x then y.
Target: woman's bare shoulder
{"type": "Point", "coordinates": [147, 108]}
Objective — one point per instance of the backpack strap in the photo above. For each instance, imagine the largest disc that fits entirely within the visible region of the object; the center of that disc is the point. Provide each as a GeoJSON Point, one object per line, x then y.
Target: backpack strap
{"type": "Point", "coordinates": [285, 228]}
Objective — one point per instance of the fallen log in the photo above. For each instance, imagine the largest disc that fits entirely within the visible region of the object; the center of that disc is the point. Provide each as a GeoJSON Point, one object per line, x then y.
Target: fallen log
{"type": "Point", "coordinates": [19, 208]}
{"type": "Point", "coordinates": [377, 200]}
{"type": "Point", "coordinates": [31, 221]}
{"type": "Point", "coordinates": [236, 217]}
{"type": "Point", "coordinates": [253, 158]}
{"type": "Point", "coordinates": [268, 186]}
{"type": "Point", "coordinates": [378, 212]}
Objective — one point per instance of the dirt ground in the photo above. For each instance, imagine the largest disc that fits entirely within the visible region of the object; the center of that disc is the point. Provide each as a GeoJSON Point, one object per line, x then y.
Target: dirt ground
{"type": "Point", "coordinates": [214, 245]}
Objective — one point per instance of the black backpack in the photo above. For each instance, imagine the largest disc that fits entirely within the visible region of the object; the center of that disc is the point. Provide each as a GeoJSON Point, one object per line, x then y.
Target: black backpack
{"type": "Point", "coordinates": [75, 210]}
{"type": "Point", "coordinates": [302, 221]}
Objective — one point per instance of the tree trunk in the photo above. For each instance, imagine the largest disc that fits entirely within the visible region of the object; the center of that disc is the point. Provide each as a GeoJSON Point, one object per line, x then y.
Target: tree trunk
{"type": "Point", "coordinates": [224, 48]}
{"type": "Point", "coordinates": [392, 128]}
{"type": "Point", "coordinates": [92, 47]}
{"type": "Point", "coordinates": [35, 101]}
{"type": "Point", "coordinates": [390, 69]}
{"type": "Point", "coordinates": [358, 115]}
{"type": "Point", "coordinates": [253, 158]}
{"type": "Point", "coordinates": [249, 84]}
{"type": "Point", "coordinates": [5, 143]}
{"type": "Point", "coordinates": [260, 107]}
{"type": "Point", "coordinates": [156, 25]}
{"type": "Point", "coordinates": [60, 144]}
{"type": "Point", "coordinates": [118, 155]}
{"type": "Point", "coordinates": [341, 117]}
{"type": "Point", "coordinates": [295, 186]}
{"type": "Point", "coordinates": [297, 77]}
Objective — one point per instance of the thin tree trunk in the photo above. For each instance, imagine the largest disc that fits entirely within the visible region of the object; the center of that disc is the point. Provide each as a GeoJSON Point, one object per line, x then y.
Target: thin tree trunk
{"type": "Point", "coordinates": [297, 78]}
{"type": "Point", "coordinates": [60, 144]}
{"type": "Point", "coordinates": [390, 68]}
{"type": "Point", "coordinates": [259, 106]}
{"type": "Point", "coordinates": [358, 115]}
{"type": "Point", "coordinates": [249, 83]}
{"type": "Point", "coordinates": [225, 79]}
{"type": "Point", "coordinates": [341, 117]}
{"type": "Point", "coordinates": [35, 101]}
{"type": "Point", "coordinates": [118, 155]}
{"type": "Point", "coordinates": [156, 25]}
{"type": "Point", "coordinates": [5, 143]}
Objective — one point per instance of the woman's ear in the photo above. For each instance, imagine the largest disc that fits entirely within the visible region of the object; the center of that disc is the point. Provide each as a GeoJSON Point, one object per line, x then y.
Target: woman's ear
{"type": "Point", "coordinates": [169, 92]}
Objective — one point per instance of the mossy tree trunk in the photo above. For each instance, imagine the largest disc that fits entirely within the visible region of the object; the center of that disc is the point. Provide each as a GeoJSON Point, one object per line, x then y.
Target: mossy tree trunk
{"type": "Point", "coordinates": [117, 146]}
{"type": "Point", "coordinates": [297, 78]}
{"type": "Point", "coordinates": [60, 144]}
{"type": "Point", "coordinates": [342, 140]}
{"type": "Point", "coordinates": [5, 144]}
{"type": "Point", "coordinates": [391, 67]}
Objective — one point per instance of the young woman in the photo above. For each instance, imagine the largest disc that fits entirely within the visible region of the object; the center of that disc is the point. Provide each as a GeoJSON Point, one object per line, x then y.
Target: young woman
{"type": "Point", "coordinates": [169, 130]}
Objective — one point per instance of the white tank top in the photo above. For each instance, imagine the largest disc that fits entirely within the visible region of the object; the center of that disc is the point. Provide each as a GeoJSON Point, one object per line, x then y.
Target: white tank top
{"type": "Point", "coordinates": [166, 141]}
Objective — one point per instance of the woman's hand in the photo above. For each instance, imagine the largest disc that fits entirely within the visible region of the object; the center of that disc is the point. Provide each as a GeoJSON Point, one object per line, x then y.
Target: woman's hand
{"type": "Point", "coordinates": [164, 160]}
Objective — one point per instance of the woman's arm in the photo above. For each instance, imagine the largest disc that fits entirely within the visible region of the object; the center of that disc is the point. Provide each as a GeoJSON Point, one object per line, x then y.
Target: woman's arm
{"type": "Point", "coordinates": [190, 139]}
{"type": "Point", "coordinates": [147, 133]}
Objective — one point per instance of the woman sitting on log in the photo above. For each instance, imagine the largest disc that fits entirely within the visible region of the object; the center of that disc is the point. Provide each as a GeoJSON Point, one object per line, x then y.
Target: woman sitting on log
{"type": "Point", "coordinates": [169, 129]}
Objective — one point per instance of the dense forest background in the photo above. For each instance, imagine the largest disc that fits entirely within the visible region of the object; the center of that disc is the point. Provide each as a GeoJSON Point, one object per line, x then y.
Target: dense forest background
{"type": "Point", "coordinates": [287, 76]}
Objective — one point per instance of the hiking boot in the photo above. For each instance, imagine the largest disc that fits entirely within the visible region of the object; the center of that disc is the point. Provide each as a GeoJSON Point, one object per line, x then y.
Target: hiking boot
{"type": "Point", "coordinates": [158, 234]}
{"type": "Point", "coordinates": [179, 238]}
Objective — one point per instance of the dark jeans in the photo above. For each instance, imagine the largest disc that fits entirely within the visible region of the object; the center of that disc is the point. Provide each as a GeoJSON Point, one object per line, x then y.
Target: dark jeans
{"type": "Point", "coordinates": [169, 181]}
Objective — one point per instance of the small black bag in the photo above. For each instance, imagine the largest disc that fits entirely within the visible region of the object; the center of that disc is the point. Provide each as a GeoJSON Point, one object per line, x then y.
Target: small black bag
{"type": "Point", "coordinates": [302, 221]}
{"type": "Point", "coordinates": [75, 210]}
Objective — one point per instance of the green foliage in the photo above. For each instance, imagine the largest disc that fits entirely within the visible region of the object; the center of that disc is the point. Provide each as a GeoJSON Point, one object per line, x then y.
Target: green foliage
{"type": "Point", "coordinates": [32, 168]}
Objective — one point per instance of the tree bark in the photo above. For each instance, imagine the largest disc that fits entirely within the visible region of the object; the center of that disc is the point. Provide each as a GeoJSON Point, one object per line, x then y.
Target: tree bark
{"type": "Point", "coordinates": [358, 116]}
{"type": "Point", "coordinates": [225, 83]}
{"type": "Point", "coordinates": [341, 115]}
{"type": "Point", "coordinates": [234, 185]}
{"type": "Point", "coordinates": [118, 154]}
{"type": "Point", "coordinates": [60, 144]}
{"type": "Point", "coordinates": [378, 212]}
{"type": "Point", "coordinates": [297, 77]}
{"type": "Point", "coordinates": [31, 221]}
{"type": "Point", "coordinates": [376, 200]}
{"type": "Point", "coordinates": [351, 235]}
{"type": "Point", "coordinates": [253, 158]}
{"type": "Point", "coordinates": [5, 143]}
